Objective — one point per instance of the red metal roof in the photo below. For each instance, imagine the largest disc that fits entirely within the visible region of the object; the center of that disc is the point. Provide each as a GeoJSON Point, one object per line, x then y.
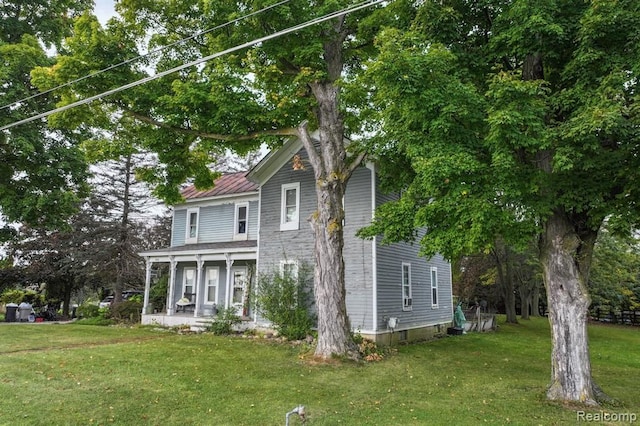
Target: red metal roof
{"type": "Point", "coordinates": [232, 183]}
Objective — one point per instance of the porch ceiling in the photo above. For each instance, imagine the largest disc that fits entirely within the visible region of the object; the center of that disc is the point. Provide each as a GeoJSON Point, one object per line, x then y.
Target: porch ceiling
{"type": "Point", "coordinates": [236, 249]}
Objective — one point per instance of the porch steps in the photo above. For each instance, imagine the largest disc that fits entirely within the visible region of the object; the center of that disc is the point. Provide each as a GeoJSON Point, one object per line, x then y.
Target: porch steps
{"type": "Point", "coordinates": [201, 325]}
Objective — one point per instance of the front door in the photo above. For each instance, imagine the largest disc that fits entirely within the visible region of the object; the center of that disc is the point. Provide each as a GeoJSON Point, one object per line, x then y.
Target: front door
{"type": "Point", "coordinates": [239, 290]}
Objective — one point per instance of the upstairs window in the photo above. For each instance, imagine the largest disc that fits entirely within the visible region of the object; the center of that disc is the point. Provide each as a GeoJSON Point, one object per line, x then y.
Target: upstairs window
{"type": "Point", "coordinates": [434, 287]}
{"type": "Point", "coordinates": [407, 300]}
{"type": "Point", "coordinates": [241, 221]}
{"type": "Point", "coordinates": [192, 226]}
{"type": "Point", "coordinates": [290, 206]}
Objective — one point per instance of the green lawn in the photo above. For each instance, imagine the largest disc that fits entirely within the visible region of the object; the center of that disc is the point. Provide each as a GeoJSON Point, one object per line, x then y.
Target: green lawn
{"type": "Point", "coordinates": [82, 375]}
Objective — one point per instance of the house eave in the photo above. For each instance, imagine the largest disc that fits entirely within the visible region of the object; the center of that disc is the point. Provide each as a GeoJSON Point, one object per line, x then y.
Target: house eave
{"type": "Point", "coordinates": [274, 160]}
{"type": "Point", "coordinates": [205, 251]}
{"type": "Point", "coordinates": [249, 196]}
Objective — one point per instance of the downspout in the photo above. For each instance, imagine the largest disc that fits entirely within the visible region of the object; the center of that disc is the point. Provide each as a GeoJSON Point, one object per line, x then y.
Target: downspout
{"type": "Point", "coordinates": [374, 247]}
{"type": "Point", "coordinates": [255, 311]}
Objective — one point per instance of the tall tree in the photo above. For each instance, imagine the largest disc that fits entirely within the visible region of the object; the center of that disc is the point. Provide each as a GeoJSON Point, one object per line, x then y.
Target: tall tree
{"type": "Point", "coordinates": [289, 86]}
{"type": "Point", "coordinates": [120, 206]}
{"type": "Point", "coordinates": [41, 170]}
{"type": "Point", "coordinates": [516, 119]}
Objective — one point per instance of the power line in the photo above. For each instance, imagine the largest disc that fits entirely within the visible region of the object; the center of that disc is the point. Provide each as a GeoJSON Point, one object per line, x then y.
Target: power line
{"type": "Point", "coordinates": [289, 30]}
{"type": "Point", "coordinates": [153, 52]}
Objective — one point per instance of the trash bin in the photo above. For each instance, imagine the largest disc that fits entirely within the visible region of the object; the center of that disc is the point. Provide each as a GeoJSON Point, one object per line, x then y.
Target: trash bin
{"type": "Point", "coordinates": [10, 315]}
{"type": "Point", "coordinates": [24, 310]}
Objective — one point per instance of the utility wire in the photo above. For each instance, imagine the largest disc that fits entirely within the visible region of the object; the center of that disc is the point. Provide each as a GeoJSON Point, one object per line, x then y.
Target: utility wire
{"type": "Point", "coordinates": [153, 52]}
{"type": "Point", "coordinates": [289, 30]}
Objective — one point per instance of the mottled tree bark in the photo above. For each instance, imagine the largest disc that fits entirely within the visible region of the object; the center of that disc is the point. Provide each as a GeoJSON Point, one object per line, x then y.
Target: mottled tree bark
{"type": "Point", "coordinates": [565, 254]}
{"type": "Point", "coordinates": [332, 169]}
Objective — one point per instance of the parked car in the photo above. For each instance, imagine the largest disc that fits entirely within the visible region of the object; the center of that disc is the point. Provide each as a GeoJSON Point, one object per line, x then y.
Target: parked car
{"type": "Point", "coordinates": [106, 302]}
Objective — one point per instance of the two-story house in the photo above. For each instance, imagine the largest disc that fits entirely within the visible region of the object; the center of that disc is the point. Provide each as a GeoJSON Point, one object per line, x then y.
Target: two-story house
{"type": "Point", "coordinates": [253, 223]}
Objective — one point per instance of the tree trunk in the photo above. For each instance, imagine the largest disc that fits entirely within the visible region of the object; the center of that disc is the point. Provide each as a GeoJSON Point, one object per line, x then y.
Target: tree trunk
{"type": "Point", "coordinates": [535, 301]}
{"type": "Point", "coordinates": [506, 284]}
{"type": "Point", "coordinates": [123, 237]}
{"type": "Point", "coordinates": [509, 292]}
{"type": "Point", "coordinates": [565, 255]}
{"type": "Point", "coordinates": [525, 301]}
{"type": "Point", "coordinates": [332, 170]}
{"type": "Point", "coordinates": [328, 159]}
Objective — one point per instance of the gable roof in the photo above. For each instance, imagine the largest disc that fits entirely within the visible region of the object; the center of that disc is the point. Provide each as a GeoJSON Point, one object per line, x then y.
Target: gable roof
{"type": "Point", "coordinates": [227, 184]}
{"type": "Point", "coordinates": [274, 160]}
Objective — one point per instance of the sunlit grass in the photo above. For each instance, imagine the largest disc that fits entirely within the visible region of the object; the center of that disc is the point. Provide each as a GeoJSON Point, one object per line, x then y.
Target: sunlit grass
{"type": "Point", "coordinates": [83, 375]}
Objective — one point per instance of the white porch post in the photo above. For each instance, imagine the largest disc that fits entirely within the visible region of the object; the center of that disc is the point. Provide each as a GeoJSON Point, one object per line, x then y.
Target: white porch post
{"type": "Point", "coordinates": [172, 285]}
{"type": "Point", "coordinates": [229, 296]}
{"type": "Point", "coordinates": [196, 310]}
{"type": "Point", "coordinates": [147, 286]}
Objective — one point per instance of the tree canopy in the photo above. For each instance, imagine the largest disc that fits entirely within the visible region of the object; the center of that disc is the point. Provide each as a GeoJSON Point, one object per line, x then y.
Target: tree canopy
{"type": "Point", "coordinates": [516, 119]}
{"type": "Point", "coordinates": [41, 170]}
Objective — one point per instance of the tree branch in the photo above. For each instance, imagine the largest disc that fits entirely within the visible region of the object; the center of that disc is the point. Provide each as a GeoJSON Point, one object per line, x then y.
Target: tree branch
{"type": "Point", "coordinates": [307, 141]}
{"type": "Point", "coordinates": [356, 163]}
{"type": "Point", "coordinates": [206, 135]}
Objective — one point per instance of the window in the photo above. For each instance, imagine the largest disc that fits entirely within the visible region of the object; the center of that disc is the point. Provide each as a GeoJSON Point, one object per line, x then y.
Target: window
{"type": "Point", "coordinates": [289, 268]}
{"type": "Point", "coordinates": [213, 277]}
{"type": "Point", "coordinates": [434, 287]}
{"type": "Point", "coordinates": [192, 226]}
{"type": "Point", "coordinates": [188, 283]}
{"type": "Point", "coordinates": [290, 208]}
{"type": "Point", "coordinates": [239, 290]}
{"type": "Point", "coordinates": [242, 221]}
{"type": "Point", "coordinates": [407, 301]}
{"type": "Point", "coordinates": [238, 285]}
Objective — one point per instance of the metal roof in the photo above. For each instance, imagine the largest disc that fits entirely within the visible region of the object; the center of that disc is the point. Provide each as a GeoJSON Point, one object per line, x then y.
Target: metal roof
{"type": "Point", "coordinates": [228, 184]}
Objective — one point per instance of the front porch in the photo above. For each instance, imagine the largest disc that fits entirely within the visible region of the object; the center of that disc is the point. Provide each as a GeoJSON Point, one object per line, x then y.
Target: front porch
{"type": "Point", "coordinates": [203, 278]}
{"type": "Point", "coordinates": [197, 323]}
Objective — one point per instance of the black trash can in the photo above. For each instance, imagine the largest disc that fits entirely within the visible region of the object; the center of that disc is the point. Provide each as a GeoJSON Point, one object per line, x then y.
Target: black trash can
{"type": "Point", "coordinates": [10, 315]}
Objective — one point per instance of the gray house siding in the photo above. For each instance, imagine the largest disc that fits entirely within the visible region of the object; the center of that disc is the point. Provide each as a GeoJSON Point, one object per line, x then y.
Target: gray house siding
{"type": "Point", "coordinates": [216, 223]}
{"type": "Point", "coordinates": [390, 259]}
{"type": "Point", "coordinates": [357, 252]}
{"type": "Point", "coordinates": [276, 245]}
{"type": "Point", "coordinates": [178, 228]}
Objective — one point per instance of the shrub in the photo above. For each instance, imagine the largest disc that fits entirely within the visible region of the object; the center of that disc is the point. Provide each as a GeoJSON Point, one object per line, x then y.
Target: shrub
{"type": "Point", "coordinates": [285, 300]}
{"type": "Point", "coordinates": [15, 295]}
{"type": "Point", "coordinates": [88, 310]}
{"type": "Point", "coordinates": [224, 321]}
{"type": "Point", "coordinates": [158, 293]}
{"type": "Point", "coordinates": [126, 311]}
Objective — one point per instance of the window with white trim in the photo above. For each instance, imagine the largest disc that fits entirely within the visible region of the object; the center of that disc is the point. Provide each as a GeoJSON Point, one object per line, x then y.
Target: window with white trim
{"type": "Point", "coordinates": [407, 300]}
{"type": "Point", "coordinates": [241, 221]}
{"type": "Point", "coordinates": [289, 268]}
{"type": "Point", "coordinates": [191, 236]}
{"type": "Point", "coordinates": [212, 275]}
{"type": "Point", "coordinates": [290, 206]}
{"type": "Point", "coordinates": [239, 282]}
{"type": "Point", "coordinates": [434, 287]}
{"type": "Point", "coordinates": [189, 283]}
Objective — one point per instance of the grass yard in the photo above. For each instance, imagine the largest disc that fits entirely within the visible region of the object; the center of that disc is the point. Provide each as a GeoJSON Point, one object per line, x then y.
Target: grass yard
{"type": "Point", "coordinates": [73, 374]}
